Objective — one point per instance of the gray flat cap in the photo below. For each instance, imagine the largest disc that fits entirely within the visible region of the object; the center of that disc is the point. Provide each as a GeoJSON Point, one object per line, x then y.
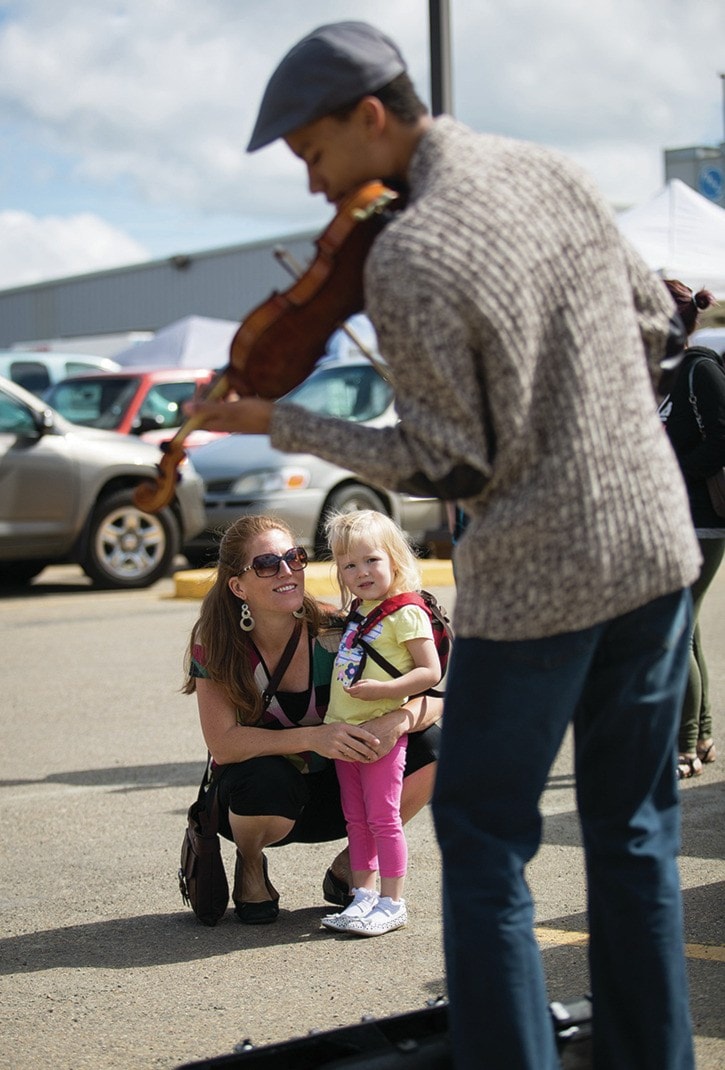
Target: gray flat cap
{"type": "Point", "coordinates": [333, 66]}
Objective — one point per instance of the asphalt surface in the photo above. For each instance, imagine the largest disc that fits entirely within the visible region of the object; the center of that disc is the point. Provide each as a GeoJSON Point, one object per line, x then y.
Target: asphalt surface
{"type": "Point", "coordinates": [102, 967]}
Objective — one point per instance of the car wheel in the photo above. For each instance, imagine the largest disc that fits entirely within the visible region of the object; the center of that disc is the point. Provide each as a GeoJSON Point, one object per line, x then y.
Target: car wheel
{"type": "Point", "coordinates": [20, 573]}
{"type": "Point", "coordinates": [127, 548]}
{"type": "Point", "coordinates": [347, 499]}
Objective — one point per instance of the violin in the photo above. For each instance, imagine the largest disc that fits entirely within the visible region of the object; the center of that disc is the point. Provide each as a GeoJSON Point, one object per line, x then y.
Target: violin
{"type": "Point", "coordinates": [278, 344]}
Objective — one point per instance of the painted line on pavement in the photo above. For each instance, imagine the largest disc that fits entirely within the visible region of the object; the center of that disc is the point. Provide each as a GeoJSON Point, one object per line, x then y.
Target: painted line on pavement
{"type": "Point", "coordinates": [564, 937]}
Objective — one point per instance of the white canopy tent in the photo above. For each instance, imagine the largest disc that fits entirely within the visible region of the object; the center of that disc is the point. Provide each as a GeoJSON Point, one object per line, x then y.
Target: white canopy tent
{"type": "Point", "coordinates": [681, 235]}
{"type": "Point", "coordinates": [201, 342]}
{"type": "Point", "coordinates": [192, 342]}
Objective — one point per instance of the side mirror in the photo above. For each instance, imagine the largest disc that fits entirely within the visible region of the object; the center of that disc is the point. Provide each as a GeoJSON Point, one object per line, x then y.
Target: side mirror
{"type": "Point", "coordinates": [147, 423]}
{"type": "Point", "coordinates": [45, 421]}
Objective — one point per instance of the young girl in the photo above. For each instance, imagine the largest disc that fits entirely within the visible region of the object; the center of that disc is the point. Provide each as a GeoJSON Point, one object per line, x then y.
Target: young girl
{"type": "Point", "coordinates": [373, 562]}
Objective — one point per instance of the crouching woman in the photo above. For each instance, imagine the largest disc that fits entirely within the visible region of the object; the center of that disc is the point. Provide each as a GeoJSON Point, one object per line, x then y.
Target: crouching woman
{"type": "Point", "coordinates": [260, 661]}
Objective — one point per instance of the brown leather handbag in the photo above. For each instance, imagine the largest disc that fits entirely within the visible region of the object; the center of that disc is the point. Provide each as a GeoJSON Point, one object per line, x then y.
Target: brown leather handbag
{"type": "Point", "coordinates": [202, 877]}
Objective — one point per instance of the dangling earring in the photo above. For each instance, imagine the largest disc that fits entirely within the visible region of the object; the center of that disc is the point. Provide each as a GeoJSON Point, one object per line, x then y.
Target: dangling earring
{"type": "Point", "coordinates": [246, 620]}
{"type": "Point", "coordinates": [299, 613]}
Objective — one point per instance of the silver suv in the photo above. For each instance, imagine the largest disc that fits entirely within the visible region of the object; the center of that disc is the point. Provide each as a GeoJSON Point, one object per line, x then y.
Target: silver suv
{"type": "Point", "coordinates": [66, 495]}
{"type": "Point", "coordinates": [244, 473]}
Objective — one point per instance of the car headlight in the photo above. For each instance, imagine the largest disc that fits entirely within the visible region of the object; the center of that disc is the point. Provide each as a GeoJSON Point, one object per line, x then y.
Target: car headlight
{"type": "Point", "coordinates": [271, 482]}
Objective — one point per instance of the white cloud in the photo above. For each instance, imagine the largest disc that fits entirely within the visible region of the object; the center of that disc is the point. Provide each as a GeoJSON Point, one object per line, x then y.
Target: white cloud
{"type": "Point", "coordinates": [33, 249]}
{"type": "Point", "coordinates": [158, 99]}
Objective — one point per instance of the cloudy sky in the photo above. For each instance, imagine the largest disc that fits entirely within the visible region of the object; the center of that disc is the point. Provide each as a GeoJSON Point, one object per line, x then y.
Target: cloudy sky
{"type": "Point", "coordinates": [123, 122]}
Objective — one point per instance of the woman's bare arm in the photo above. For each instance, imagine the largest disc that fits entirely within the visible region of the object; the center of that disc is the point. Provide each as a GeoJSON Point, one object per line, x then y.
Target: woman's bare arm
{"type": "Point", "coordinates": [228, 741]}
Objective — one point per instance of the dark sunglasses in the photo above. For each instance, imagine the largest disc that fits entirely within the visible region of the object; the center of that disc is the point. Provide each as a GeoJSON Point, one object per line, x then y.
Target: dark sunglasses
{"type": "Point", "coordinates": [266, 565]}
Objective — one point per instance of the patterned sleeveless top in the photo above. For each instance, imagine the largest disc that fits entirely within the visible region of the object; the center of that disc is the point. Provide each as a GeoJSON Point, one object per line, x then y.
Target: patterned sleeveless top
{"type": "Point", "coordinates": [296, 713]}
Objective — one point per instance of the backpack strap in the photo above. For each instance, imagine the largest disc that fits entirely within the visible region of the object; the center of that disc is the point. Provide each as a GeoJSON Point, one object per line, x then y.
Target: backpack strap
{"type": "Point", "coordinates": [387, 606]}
{"type": "Point", "coordinates": [691, 396]}
{"type": "Point", "coordinates": [365, 624]}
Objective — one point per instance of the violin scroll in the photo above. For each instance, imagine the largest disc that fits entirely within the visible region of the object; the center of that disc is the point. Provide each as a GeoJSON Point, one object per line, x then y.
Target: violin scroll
{"type": "Point", "coordinates": [153, 495]}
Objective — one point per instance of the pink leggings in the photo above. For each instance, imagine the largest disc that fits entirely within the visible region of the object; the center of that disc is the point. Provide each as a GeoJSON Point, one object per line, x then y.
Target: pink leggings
{"type": "Point", "coordinates": [371, 803]}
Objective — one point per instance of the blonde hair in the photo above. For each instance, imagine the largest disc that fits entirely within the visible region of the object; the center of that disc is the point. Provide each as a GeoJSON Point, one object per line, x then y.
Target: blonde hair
{"type": "Point", "coordinates": [226, 647]}
{"type": "Point", "coordinates": [344, 531]}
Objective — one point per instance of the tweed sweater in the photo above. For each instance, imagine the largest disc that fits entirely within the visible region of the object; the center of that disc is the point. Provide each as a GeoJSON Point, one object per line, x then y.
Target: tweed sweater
{"type": "Point", "coordinates": [522, 334]}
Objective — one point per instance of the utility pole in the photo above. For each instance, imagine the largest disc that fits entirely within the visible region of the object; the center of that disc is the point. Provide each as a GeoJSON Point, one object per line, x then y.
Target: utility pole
{"type": "Point", "coordinates": [439, 18]}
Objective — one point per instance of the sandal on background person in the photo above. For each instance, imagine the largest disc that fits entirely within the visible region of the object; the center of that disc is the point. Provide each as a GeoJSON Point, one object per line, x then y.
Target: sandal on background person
{"type": "Point", "coordinates": [706, 750]}
{"type": "Point", "coordinates": [688, 765]}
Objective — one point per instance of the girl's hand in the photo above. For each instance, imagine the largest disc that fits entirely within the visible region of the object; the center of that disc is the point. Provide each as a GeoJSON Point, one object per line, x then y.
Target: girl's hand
{"type": "Point", "coordinates": [368, 690]}
{"type": "Point", "coordinates": [417, 713]}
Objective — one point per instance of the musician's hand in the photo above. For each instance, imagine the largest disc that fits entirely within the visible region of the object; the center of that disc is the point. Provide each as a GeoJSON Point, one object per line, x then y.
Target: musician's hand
{"type": "Point", "coordinates": [250, 416]}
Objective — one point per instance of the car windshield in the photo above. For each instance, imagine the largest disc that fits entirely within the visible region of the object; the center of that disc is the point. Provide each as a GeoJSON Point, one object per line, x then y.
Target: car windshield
{"type": "Point", "coordinates": [15, 418]}
{"type": "Point", "coordinates": [97, 402]}
{"type": "Point", "coordinates": [164, 401]}
{"type": "Point", "coordinates": [356, 393]}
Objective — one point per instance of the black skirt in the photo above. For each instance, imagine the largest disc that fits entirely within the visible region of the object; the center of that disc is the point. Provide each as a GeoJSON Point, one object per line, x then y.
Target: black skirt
{"type": "Point", "coordinates": [273, 786]}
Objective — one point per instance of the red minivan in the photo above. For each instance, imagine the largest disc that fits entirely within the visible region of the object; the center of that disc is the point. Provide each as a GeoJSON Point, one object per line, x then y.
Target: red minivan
{"type": "Point", "coordinates": [133, 402]}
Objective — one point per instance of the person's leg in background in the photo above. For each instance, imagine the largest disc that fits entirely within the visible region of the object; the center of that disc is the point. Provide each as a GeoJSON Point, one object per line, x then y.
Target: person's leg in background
{"type": "Point", "coordinates": [699, 735]}
{"type": "Point", "coordinates": [625, 745]}
{"type": "Point", "coordinates": [507, 709]}
{"type": "Point", "coordinates": [704, 743]}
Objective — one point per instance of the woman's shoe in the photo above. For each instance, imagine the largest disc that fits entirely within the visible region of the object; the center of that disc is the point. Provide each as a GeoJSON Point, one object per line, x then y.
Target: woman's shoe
{"type": "Point", "coordinates": [335, 890]}
{"type": "Point", "coordinates": [254, 913]}
{"type": "Point", "coordinates": [706, 751]}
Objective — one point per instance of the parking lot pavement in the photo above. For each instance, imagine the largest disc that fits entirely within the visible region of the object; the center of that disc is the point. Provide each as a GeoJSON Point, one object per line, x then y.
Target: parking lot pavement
{"type": "Point", "coordinates": [100, 964]}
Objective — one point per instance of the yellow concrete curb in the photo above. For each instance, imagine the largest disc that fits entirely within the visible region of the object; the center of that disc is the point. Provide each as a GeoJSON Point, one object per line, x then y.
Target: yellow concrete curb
{"type": "Point", "coordinates": [319, 579]}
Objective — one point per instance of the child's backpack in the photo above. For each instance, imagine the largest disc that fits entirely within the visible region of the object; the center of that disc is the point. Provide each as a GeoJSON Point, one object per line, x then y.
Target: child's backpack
{"type": "Point", "coordinates": [442, 629]}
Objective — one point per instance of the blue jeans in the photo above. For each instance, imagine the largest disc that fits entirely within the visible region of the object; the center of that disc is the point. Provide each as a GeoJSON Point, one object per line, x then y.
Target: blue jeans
{"type": "Point", "coordinates": [507, 708]}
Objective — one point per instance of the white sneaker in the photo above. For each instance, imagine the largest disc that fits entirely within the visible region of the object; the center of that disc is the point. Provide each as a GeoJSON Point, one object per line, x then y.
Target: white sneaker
{"type": "Point", "coordinates": [383, 918]}
{"type": "Point", "coordinates": [364, 900]}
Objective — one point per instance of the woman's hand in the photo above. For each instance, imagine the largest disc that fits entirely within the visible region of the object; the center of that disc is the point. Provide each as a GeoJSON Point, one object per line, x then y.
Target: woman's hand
{"type": "Point", "coordinates": [347, 742]}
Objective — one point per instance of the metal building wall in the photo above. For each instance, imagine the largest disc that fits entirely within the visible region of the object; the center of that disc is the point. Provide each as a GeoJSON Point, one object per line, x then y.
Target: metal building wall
{"type": "Point", "coordinates": [224, 283]}
{"type": "Point", "coordinates": [701, 168]}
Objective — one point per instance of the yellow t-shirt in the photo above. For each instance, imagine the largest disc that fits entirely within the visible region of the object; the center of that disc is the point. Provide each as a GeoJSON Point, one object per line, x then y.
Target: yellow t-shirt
{"type": "Point", "coordinates": [388, 637]}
